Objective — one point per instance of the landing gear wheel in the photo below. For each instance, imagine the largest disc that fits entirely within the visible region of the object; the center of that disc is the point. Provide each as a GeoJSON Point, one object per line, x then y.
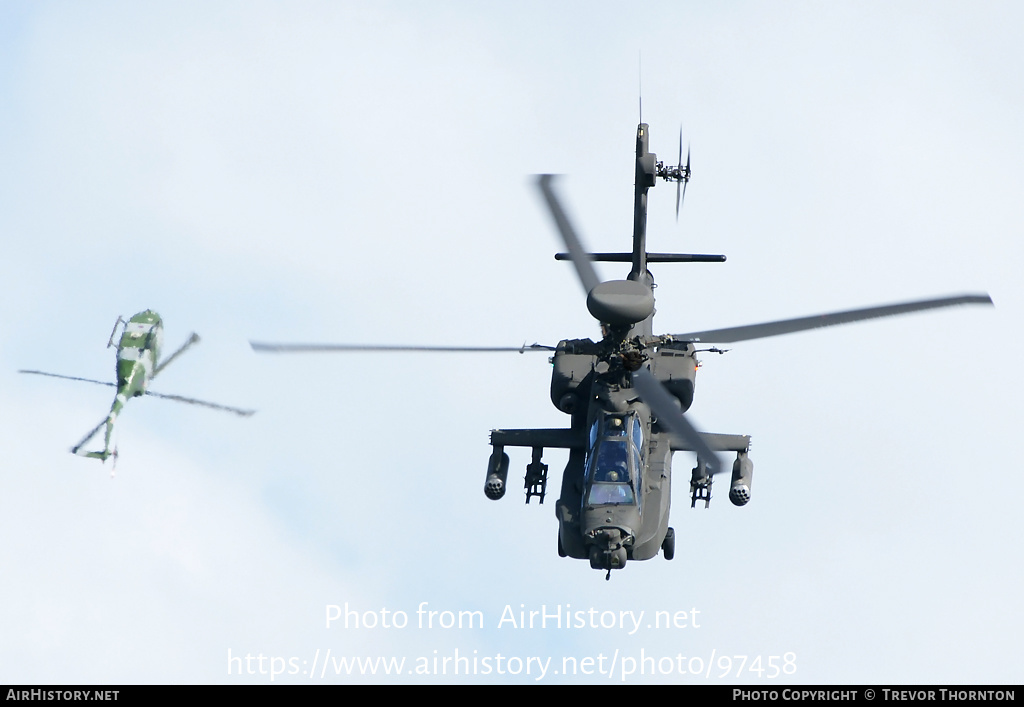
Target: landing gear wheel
{"type": "Point", "coordinates": [668, 545]}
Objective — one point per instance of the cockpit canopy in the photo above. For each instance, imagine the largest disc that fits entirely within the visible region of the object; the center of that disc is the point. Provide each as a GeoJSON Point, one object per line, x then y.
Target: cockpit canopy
{"type": "Point", "coordinates": [614, 463]}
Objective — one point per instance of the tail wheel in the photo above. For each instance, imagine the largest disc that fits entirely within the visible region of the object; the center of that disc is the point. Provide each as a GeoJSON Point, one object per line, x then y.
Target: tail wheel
{"type": "Point", "coordinates": [668, 545]}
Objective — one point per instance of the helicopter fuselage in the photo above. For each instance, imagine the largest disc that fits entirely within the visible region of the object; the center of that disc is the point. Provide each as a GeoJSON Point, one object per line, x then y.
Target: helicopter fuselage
{"type": "Point", "coordinates": [617, 486]}
{"type": "Point", "coordinates": [138, 362]}
{"type": "Point", "coordinates": [138, 351]}
{"type": "Point", "coordinates": [625, 517]}
{"type": "Point", "coordinates": [615, 498]}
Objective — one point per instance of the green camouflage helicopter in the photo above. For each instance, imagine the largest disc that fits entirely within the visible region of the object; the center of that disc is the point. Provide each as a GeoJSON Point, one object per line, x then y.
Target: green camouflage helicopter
{"type": "Point", "coordinates": [138, 353]}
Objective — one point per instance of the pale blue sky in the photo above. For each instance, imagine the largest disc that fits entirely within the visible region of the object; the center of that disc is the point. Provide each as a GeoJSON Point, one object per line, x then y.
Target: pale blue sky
{"type": "Point", "coordinates": [359, 172]}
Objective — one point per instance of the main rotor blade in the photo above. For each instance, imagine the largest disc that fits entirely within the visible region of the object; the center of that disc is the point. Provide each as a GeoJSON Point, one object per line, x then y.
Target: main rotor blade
{"type": "Point", "coordinates": [89, 436]}
{"type": "Point", "coordinates": [584, 268]}
{"type": "Point", "coordinates": [193, 339]}
{"type": "Point", "coordinates": [322, 348]}
{"type": "Point", "coordinates": [668, 413]}
{"type": "Point", "coordinates": [193, 401]}
{"type": "Point", "coordinates": [70, 378]}
{"type": "Point", "coordinates": [789, 326]}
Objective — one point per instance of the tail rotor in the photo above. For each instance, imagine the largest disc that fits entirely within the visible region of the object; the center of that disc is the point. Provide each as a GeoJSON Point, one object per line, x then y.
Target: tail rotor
{"type": "Point", "coordinates": [685, 172]}
{"type": "Point", "coordinates": [680, 174]}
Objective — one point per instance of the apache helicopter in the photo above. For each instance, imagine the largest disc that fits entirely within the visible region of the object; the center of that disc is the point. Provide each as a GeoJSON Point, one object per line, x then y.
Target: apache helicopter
{"type": "Point", "coordinates": [138, 351]}
{"type": "Point", "coordinates": [626, 396]}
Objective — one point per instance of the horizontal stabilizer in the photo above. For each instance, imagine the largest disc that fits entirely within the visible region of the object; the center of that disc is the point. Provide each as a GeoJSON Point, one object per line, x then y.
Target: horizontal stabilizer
{"type": "Point", "coordinates": [651, 257]}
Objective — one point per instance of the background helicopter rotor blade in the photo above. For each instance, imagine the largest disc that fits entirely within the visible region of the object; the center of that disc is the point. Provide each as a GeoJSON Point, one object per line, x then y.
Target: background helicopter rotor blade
{"type": "Point", "coordinates": [789, 326]}
{"type": "Point", "coordinates": [192, 339]}
{"type": "Point", "coordinates": [203, 403]}
{"type": "Point", "coordinates": [580, 259]}
{"type": "Point", "coordinates": [92, 433]}
{"type": "Point", "coordinates": [322, 348]}
{"type": "Point", "coordinates": [70, 378]}
{"type": "Point", "coordinates": [179, 398]}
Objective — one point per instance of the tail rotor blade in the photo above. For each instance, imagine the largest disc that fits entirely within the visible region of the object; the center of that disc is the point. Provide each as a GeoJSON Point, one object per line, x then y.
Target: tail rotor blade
{"type": "Point", "coordinates": [681, 148]}
{"type": "Point", "coordinates": [680, 168]}
{"type": "Point", "coordinates": [685, 173]}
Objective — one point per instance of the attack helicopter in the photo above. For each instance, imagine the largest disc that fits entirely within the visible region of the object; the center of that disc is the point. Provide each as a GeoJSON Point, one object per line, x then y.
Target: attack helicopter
{"type": "Point", "coordinates": [627, 394]}
{"type": "Point", "coordinates": [138, 353]}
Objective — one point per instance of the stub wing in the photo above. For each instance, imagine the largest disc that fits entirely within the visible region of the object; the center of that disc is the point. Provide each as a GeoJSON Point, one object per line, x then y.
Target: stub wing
{"type": "Point", "coordinates": [719, 442]}
{"type": "Point", "coordinates": [551, 438]}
